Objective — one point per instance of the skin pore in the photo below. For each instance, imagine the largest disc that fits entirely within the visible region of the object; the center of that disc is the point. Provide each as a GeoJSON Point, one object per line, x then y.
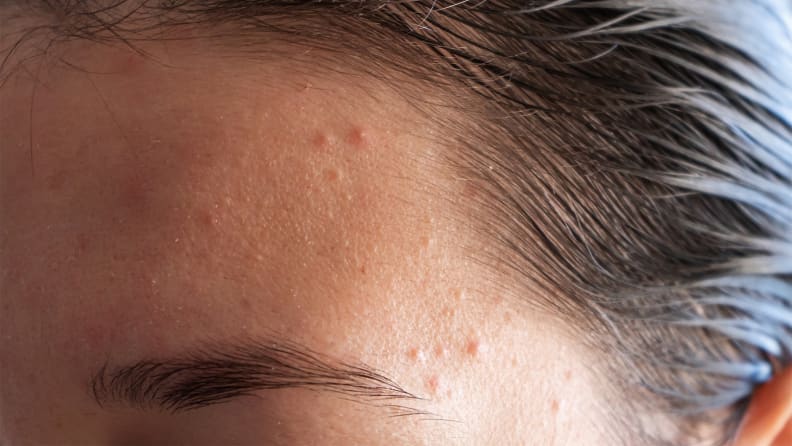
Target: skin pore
{"type": "Point", "coordinates": [151, 204]}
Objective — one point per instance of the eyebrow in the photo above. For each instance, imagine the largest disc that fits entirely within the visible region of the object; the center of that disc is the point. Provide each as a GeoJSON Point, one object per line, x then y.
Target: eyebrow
{"type": "Point", "coordinates": [216, 373]}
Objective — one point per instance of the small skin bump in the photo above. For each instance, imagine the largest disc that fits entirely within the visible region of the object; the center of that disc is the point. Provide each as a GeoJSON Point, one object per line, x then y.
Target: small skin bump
{"type": "Point", "coordinates": [330, 175]}
{"type": "Point", "coordinates": [432, 384]}
{"type": "Point", "coordinates": [207, 220]}
{"type": "Point", "coordinates": [356, 137]}
{"type": "Point", "coordinates": [472, 347]}
{"type": "Point", "coordinates": [320, 141]}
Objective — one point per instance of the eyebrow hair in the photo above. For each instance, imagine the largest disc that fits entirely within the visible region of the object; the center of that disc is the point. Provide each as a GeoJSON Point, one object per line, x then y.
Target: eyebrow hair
{"type": "Point", "coordinates": [216, 372]}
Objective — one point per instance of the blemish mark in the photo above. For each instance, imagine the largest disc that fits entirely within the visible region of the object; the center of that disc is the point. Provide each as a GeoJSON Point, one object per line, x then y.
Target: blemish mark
{"type": "Point", "coordinates": [554, 406]}
{"type": "Point", "coordinates": [320, 141]}
{"type": "Point", "coordinates": [567, 375]}
{"type": "Point", "coordinates": [458, 293]}
{"type": "Point", "coordinates": [330, 175]}
{"type": "Point", "coordinates": [472, 347]}
{"type": "Point", "coordinates": [56, 181]}
{"type": "Point", "coordinates": [131, 62]}
{"type": "Point", "coordinates": [82, 243]}
{"type": "Point", "coordinates": [134, 195]}
{"type": "Point", "coordinates": [206, 219]}
{"type": "Point", "coordinates": [424, 241]}
{"type": "Point", "coordinates": [363, 269]}
{"type": "Point", "coordinates": [448, 312]}
{"type": "Point", "coordinates": [357, 138]}
{"type": "Point", "coordinates": [439, 351]}
{"type": "Point", "coordinates": [432, 384]}
{"type": "Point", "coordinates": [412, 354]}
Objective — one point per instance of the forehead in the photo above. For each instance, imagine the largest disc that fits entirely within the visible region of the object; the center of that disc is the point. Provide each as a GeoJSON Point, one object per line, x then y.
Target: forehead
{"type": "Point", "coordinates": [279, 187]}
{"type": "Point", "coordinates": [151, 203]}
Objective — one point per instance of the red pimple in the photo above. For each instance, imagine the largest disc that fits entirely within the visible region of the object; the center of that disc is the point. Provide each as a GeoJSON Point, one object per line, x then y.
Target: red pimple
{"type": "Point", "coordinates": [433, 383]}
{"type": "Point", "coordinates": [472, 347]}
{"type": "Point", "coordinates": [320, 141]}
{"type": "Point", "coordinates": [356, 137]}
{"type": "Point", "coordinates": [206, 219]}
{"type": "Point", "coordinates": [330, 175]}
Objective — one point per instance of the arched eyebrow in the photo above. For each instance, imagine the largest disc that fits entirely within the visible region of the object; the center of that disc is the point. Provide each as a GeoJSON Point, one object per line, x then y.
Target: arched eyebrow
{"type": "Point", "coordinates": [216, 373]}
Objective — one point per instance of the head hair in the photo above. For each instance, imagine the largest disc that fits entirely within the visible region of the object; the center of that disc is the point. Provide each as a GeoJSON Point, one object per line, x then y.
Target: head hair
{"type": "Point", "coordinates": [629, 164]}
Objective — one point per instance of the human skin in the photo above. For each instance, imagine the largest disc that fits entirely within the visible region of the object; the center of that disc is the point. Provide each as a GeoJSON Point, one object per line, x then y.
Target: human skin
{"type": "Point", "coordinates": [148, 204]}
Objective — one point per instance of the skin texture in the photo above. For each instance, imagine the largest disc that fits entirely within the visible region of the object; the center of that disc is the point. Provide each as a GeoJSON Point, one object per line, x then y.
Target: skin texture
{"type": "Point", "coordinates": [146, 207]}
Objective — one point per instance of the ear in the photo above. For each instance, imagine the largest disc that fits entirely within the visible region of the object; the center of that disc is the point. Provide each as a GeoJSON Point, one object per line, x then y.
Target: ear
{"type": "Point", "coordinates": [768, 421]}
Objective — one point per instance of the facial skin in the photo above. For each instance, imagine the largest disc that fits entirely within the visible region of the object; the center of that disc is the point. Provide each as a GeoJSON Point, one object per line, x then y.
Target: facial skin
{"type": "Point", "coordinates": [148, 207]}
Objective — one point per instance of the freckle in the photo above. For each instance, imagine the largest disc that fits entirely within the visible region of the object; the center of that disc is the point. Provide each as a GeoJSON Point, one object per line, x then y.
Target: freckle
{"type": "Point", "coordinates": [567, 375]}
{"type": "Point", "coordinates": [472, 347]}
{"type": "Point", "coordinates": [356, 138]}
{"type": "Point", "coordinates": [320, 141]}
{"type": "Point", "coordinates": [363, 269]}
{"type": "Point", "coordinates": [457, 293]}
{"type": "Point", "coordinates": [554, 406]}
{"type": "Point", "coordinates": [245, 304]}
{"type": "Point", "coordinates": [412, 354]}
{"type": "Point", "coordinates": [432, 384]}
{"type": "Point", "coordinates": [330, 175]}
{"type": "Point", "coordinates": [514, 362]}
{"type": "Point", "coordinates": [424, 240]}
{"type": "Point", "coordinates": [439, 351]}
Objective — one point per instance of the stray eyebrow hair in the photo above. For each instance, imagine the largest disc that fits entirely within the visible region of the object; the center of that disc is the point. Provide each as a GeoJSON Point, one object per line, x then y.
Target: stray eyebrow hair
{"type": "Point", "coordinates": [218, 372]}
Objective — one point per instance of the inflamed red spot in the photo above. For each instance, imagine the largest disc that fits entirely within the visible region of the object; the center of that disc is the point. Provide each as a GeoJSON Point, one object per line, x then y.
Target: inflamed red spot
{"type": "Point", "coordinates": [432, 384]}
{"type": "Point", "coordinates": [320, 141]}
{"type": "Point", "coordinates": [357, 138]}
{"type": "Point", "coordinates": [472, 347]}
